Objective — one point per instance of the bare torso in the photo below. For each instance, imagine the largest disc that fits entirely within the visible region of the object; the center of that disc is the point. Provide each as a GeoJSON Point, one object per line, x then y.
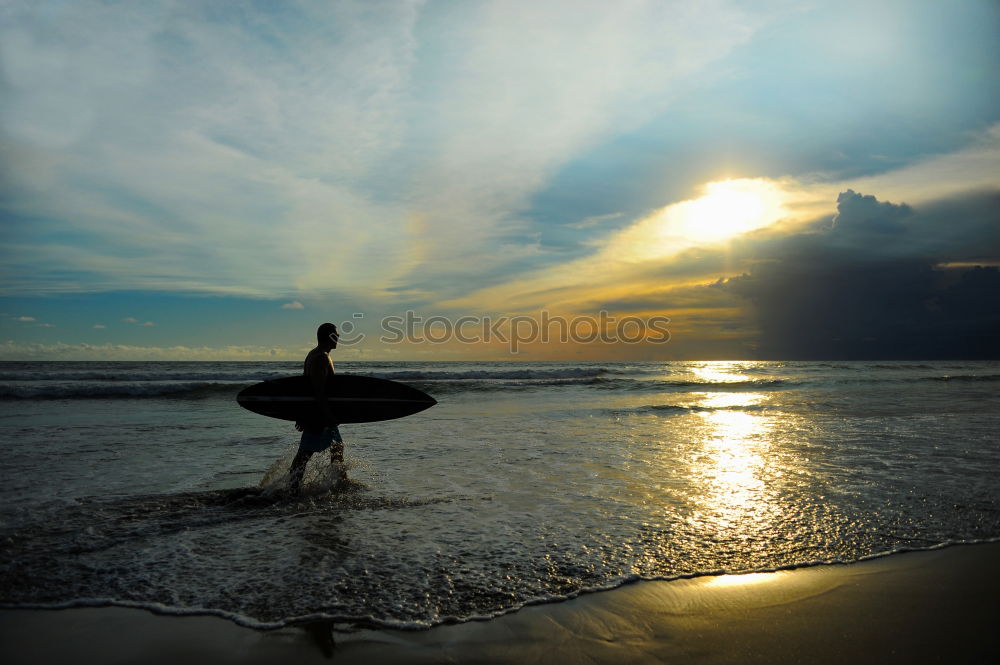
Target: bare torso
{"type": "Point", "coordinates": [318, 365]}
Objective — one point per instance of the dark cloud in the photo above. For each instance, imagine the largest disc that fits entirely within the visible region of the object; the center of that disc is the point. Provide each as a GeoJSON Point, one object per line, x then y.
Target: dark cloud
{"type": "Point", "coordinates": [875, 282]}
{"type": "Point", "coordinates": [862, 219]}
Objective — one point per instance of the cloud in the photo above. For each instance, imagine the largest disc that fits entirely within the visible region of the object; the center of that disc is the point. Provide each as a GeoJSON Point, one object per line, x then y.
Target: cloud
{"type": "Point", "coordinates": [932, 178]}
{"type": "Point", "coordinates": [11, 350]}
{"type": "Point", "coordinates": [130, 319]}
{"type": "Point", "coordinates": [148, 324]}
{"type": "Point", "coordinates": [642, 259]}
{"type": "Point", "coordinates": [98, 326]}
{"type": "Point", "coordinates": [135, 321]}
{"type": "Point", "coordinates": [430, 154]}
{"type": "Point", "coordinates": [638, 258]}
{"type": "Point", "coordinates": [595, 220]}
{"type": "Point", "coordinates": [321, 147]}
{"type": "Point", "coordinates": [253, 128]}
{"type": "Point", "coordinates": [33, 320]}
{"type": "Point", "coordinates": [844, 283]}
{"type": "Point", "coordinates": [873, 285]}
{"type": "Point", "coordinates": [295, 304]}
{"type": "Point", "coordinates": [862, 218]}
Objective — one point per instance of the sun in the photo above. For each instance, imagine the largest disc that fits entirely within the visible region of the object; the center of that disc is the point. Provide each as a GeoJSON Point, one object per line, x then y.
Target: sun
{"type": "Point", "coordinates": [727, 208]}
{"type": "Point", "coordinates": [723, 210]}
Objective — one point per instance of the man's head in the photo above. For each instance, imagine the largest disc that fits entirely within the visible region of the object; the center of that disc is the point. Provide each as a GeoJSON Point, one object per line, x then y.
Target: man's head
{"type": "Point", "coordinates": [327, 336]}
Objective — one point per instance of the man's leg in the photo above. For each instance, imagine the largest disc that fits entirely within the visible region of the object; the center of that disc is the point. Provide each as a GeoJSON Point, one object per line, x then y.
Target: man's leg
{"type": "Point", "coordinates": [297, 470]}
{"type": "Point", "coordinates": [337, 454]}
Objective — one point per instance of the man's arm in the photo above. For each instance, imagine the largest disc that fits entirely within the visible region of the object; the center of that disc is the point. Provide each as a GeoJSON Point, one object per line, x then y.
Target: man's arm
{"type": "Point", "coordinates": [319, 372]}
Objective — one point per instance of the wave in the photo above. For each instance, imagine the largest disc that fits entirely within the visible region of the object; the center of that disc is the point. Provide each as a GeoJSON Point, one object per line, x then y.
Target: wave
{"type": "Point", "coordinates": [62, 372]}
{"type": "Point", "coordinates": [748, 383]}
{"type": "Point", "coordinates": [964, 377]}
{"type": "Point", "coordinates": [351, 622]}
{"type": "Point", "coordinates": [214, 376]}
{"type": "Point", "coordinates": [518, 374]}
{"type": "Point", "coordinates": [112, 385]}
{"type": "Point", "coordinates": [85, 390]}
{"type": "Point", "coordinates": [141, 377]}
{"type": "Point", "coordinates": [603, 383]}
{"type": "Point", "coordinates": [677, 409]}
{"type": "Point", "coordinates": [682, 385]}
{"type": "Point", "coordinates": [432, 383]}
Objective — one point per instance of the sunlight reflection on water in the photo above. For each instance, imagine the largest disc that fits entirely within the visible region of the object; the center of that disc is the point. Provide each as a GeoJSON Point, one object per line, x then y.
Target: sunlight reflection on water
{"type": "Point", "coordinates": [732, 470]}
{"type": "Point", "coordinates": [718, 372]}
{"type": "Point", "coordinates": [733, 467]}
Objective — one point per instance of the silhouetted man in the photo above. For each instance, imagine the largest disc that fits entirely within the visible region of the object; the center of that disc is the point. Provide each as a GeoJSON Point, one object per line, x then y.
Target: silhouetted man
{"type": "Point", "coordinates": [321, 433]}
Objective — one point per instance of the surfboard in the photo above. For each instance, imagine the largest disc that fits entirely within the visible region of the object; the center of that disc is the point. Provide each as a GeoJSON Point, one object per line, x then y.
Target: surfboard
{"type": "Point", "coordinates": [352, 399]}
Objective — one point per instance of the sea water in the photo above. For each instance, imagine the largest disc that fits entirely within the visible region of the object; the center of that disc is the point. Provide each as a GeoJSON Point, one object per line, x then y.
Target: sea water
{"type": "Point", "coordinates": [145, 484]}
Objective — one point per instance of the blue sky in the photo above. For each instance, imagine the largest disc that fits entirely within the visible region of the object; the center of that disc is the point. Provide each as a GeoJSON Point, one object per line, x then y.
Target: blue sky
{"type": "Point", "coordinates": [176, 175]}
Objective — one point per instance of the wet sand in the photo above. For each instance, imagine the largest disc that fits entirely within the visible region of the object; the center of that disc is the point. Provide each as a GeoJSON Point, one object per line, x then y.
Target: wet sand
{"type": "Point", "coordinates": [940, 606]}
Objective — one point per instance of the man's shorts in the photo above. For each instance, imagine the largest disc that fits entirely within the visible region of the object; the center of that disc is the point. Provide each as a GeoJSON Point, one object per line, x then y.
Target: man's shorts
{"type": "Point", "coordinates": [315, 441]}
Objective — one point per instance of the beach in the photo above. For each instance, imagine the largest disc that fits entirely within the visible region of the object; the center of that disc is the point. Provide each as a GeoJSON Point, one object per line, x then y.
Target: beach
{"type": "Point", "coordinates": [938, 606]}
{"type": "Point", "coordinates": [586, 508]}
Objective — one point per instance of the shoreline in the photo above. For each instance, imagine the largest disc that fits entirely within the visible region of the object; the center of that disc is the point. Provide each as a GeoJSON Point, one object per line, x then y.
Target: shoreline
{"type": "Point", "coordinates": [938, 605]}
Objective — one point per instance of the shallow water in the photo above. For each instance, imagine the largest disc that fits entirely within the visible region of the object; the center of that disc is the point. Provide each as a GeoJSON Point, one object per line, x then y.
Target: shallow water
{"type": "Point", "coordinates": [144, 483]}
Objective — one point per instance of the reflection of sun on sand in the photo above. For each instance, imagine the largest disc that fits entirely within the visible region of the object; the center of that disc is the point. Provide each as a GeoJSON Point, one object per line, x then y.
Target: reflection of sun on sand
{"type": "Point", "coordinates": [745, 579]}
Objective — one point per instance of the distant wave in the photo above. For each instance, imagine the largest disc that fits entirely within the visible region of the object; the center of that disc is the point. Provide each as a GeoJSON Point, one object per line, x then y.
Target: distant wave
{"type": "Point", "coordinates": [190, 383]}
{"type": "Point", "coordinates": [515, 374]}
{"type": "Point", "coordinates": [111, 385]}
{"type": "Point", "coordinates": [595, 382]}
{"type": "Point", "coordinates": [964, 377]}
{"type": "Point", "coordinates": [132, 376]}
{"type": "Point", "coordinates": [86, 390]}
{"type": "Point", "coordinates": [749, 383]}
{"type": "Point", "coordinates": [678, 409]}
{"type": "Point", "coordinates": [494, 379]}
{"type": "Point", "coordinates": [140, 377]}
{"type": "Point", "coordinates": [431, 382]}
{"type": "Point", "coordinates": [683, 385]}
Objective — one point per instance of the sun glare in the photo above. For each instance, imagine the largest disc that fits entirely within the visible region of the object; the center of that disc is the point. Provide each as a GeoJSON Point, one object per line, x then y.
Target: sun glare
{"type": "Point", "coordinates": [745, 579]}
{"type": "Point", "coordinates": [726, 209]}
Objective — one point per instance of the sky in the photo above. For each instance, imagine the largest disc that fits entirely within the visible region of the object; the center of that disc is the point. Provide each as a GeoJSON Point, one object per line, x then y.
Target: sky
{"type": "Point", "coordinates": [663, 180]}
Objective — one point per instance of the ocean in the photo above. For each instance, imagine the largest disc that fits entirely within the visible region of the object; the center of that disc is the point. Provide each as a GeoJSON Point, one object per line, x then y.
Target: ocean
{"type": "Point", "coordinates": [143, 484]}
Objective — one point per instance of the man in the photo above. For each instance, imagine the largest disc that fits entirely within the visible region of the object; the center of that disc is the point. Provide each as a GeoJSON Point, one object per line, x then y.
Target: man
{"type": "Point", "coordinates": [321, 433]}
